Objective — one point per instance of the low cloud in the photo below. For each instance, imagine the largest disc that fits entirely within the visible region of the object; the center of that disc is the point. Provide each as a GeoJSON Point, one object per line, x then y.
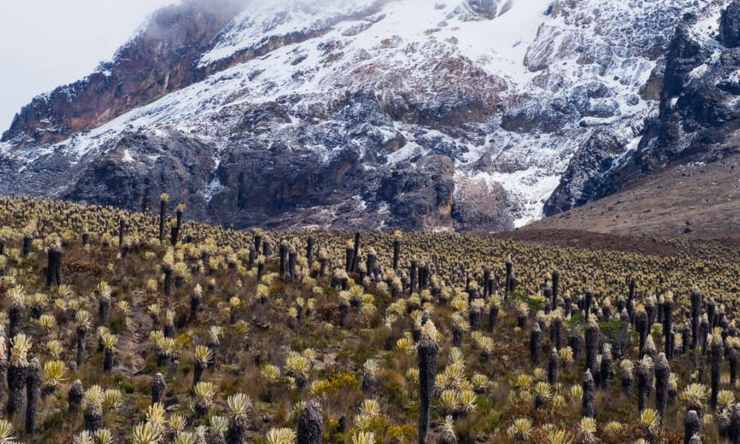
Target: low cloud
{"type": "Point", "coordinates": [44, 44]}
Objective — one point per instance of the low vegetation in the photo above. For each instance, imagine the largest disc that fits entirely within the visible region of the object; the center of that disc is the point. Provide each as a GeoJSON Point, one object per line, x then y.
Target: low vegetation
{"type": "Point", "coordinates": [131, 328]}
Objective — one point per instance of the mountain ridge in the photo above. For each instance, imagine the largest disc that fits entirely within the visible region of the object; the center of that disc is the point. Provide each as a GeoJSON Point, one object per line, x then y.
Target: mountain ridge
{"type": "Point", "coordinates": [460, 115]}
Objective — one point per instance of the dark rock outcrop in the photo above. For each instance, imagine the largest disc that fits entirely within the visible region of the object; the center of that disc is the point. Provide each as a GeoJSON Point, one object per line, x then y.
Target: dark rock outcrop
{"type": "Point", "coordinates": [482, 207]}
{"type": "Point", "coordinates": [581, 182]}
{"type": "Point", "coordinates": [697, 113]}
{"type": "Point", "coordinates": [698, 119]}
{"type": "Point", "coordinates": [486, 8]}
{"type": "Point", "coordinates": [171, 163]}
{"type": "Point", "coordinates": [535, 115]}
{"type": "Point", "coordinates": [276, 117]}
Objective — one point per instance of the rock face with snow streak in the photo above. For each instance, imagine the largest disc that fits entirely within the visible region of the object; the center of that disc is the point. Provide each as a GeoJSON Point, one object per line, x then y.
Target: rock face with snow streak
{"type": "Point", "coordinates": [697, 121]}
{"type": "Point", "coordinates": [448, 114]}
{"type": "Point", "coordinates": [581, 182]}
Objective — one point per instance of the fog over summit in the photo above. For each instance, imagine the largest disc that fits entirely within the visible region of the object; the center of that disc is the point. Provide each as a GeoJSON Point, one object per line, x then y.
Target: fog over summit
{"type": "Point", "coordinates": [47, 43]}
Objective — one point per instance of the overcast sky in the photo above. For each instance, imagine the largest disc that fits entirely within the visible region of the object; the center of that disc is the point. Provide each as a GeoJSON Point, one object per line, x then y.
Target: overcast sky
{"type": "Point", "coordinates": [47, 43]}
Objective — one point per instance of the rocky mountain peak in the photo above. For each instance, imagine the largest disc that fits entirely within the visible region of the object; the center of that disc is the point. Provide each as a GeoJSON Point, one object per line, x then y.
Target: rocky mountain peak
{"type": "Point", "coordinates": [453, 114]}
{"type": "Point", "coordinates": [158, 60]}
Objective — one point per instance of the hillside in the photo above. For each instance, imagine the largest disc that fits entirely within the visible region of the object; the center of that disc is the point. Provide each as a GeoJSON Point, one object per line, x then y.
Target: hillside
{"type": "Point", "coordinates": [695, 201]}
{"type": "Point", "coordinates": [119, 332]}
{"type": "Point", "coordinates": [449, 115]}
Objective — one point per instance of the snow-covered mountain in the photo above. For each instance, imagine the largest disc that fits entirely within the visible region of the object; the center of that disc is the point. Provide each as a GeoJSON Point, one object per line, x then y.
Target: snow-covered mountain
{"type": "Point", "coordinates": [463, 114]}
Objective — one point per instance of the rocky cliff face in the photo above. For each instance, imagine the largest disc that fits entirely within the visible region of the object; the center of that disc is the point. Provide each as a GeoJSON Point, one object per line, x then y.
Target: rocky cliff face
{"type": "Point", "coordinates": [455, 114]}
{"type": "Point", "coordinates": [696, 122]}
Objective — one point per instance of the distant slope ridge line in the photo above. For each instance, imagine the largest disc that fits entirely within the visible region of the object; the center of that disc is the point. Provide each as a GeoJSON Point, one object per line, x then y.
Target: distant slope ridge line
{"type": "Point", "coordinates": [446, 115]}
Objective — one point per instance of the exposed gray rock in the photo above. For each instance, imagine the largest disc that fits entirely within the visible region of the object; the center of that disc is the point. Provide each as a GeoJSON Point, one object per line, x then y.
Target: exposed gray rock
{"type": "Point", "coordinates": [729, 25]}
{"type": "Point", "coordinates": [581, 182]}
{"type": "Point", "coordinates": [536, 115]}
{"type": "Point", "coordinates": [421, 195]}
{"type": "Point", "coordinates": [165, 163]}
{"type": "Point", "coordinates": [696, 123]}
{"type": "Point", "coordinates": [481, 207]}
{"type": "Point", "coordinates": [486, 8]}
{"type": "Point", "coordinates": [602, 108]}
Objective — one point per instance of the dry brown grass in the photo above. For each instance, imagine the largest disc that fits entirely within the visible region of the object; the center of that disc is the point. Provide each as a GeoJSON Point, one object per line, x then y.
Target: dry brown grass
{"type": "Point", "coordinates": [264, 331]}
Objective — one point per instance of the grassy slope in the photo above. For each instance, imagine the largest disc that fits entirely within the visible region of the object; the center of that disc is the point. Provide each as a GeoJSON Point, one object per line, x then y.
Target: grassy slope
{"type": "Point", "coordinates": [699, 202]}
{"type": "Point", "coordinates": [262, 330]}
